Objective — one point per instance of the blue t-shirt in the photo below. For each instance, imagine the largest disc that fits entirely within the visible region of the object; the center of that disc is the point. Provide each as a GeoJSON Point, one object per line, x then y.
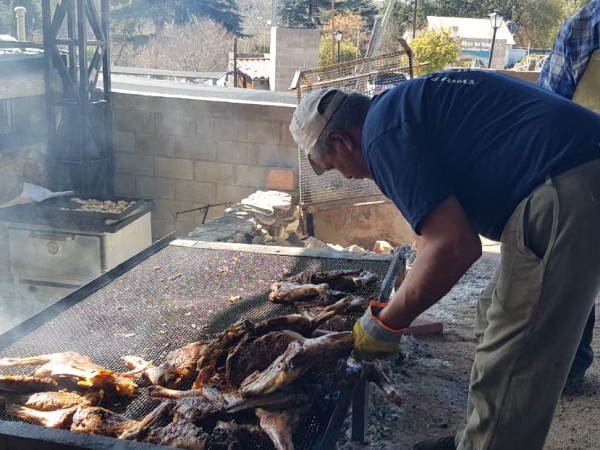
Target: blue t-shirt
{"type": "Point", "coordinates": [488, 138]}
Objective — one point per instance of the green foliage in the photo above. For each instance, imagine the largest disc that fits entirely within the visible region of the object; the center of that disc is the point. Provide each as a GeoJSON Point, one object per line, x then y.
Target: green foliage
{"type": "Point", "coordinates": [133, 15]}
{"type": "Point", "coordinates": [348, 51]}
{"type": "Point", "coordinates": [537, 21]}
{"type": "Point", "coordinates": [315, 13]}
{"type": "Point", "coordinates": [437, 48]}
{"type": "Point", "coordinates": [33, 16]}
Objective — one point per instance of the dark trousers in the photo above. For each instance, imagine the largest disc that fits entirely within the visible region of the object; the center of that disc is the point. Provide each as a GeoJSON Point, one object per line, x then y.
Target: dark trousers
{"type": "Point", "coordinates": [585, 355]}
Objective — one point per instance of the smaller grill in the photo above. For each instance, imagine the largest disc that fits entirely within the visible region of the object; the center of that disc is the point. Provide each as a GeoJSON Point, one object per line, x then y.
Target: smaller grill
{"type": "Point", "coordinates": [64, 213]}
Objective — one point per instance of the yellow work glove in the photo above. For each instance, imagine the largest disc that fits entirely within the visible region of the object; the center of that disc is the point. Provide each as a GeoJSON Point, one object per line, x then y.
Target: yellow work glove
{"type": "Point", "coordinates": [372, 338]}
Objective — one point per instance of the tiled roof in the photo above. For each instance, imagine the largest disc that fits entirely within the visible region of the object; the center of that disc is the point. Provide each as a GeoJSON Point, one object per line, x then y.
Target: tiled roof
{"type": "Point", "coordinates": [255, 67]}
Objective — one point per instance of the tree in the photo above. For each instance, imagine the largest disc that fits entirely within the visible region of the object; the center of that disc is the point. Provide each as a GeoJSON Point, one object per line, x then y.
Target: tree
{"type": "Point", "coordinates": [199, 45]}
{"type": "Point", "coordinates": [436, 48]}
{"type": "Point", "coordinates": [348, 51]}
{"type": "Point", "coordinates": [136, 14]}
{"type": "Point", "coordinates": [33, 17]}
{"type": "Point", "coordinates": [537, 21]}
{"type": "Point", "coordinates": [314, 13]}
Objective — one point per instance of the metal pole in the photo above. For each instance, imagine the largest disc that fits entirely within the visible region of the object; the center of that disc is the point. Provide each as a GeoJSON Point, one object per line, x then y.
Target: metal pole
{"type": "Point", "coordinates": [492, 49]}
{"type": "Point", "coordinates": [273, 13]}
{"type": "Point", "coordinates": [332, 30]}
{"type": "Point", "coordinates": [414, 24]}
{"type": "Point", "coordinates": [338, 52]}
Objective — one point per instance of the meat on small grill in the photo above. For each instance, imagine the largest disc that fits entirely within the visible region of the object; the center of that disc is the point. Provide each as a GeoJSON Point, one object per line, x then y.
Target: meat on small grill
{"type": "Point", "coordinates": [26, 383]}
{"type": "Point", "coordinates": [340, 280]}
{"type": "Point", "coordinates": [180, 365]}
{"type": "Point", "coordinates": [299, 357]}
{"type": "Point", "coordinates": [70, 369]}
{"type": "Point", "coordinates": [52, 400]}
{"type": "Point", "coordinates": [290, 292]}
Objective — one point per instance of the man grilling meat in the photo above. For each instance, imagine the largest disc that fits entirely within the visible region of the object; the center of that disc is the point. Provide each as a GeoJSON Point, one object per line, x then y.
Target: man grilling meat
{"type": "Point", "coordinates": [466, 153]}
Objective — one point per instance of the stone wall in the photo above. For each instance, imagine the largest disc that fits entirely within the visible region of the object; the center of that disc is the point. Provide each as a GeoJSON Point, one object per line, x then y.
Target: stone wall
{"type": "Point", "coordinates": [185, 153]}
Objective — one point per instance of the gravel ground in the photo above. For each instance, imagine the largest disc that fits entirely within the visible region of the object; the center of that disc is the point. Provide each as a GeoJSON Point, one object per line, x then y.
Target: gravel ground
{"type": "Point", "coordinates": [432, 378]}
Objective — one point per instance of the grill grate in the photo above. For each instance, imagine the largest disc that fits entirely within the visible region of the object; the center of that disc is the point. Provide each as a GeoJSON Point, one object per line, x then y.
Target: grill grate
{"type": "Point", "coordinates": [179, 295]}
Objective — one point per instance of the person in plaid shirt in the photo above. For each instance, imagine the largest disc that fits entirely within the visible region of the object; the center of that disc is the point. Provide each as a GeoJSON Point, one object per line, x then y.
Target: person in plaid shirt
{"type": "Point", "coordinates": [576, 42]}
{"type": "Point", "coordinates": [569, 59]}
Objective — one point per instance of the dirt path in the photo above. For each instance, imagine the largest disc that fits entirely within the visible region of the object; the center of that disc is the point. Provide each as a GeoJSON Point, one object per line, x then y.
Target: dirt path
{"type": "Point", "coordinates": [434, 377]}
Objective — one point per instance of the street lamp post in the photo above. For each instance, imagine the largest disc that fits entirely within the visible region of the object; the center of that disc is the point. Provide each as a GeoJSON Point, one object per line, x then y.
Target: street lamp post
{"type": "Point", "coordinates": [338, 38]}
{"type": "Point", "coordinates": [496, 22]}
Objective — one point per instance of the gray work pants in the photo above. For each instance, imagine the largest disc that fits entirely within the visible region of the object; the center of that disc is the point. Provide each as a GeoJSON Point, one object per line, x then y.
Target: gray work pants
{"type": "Point", "coordinates": [531, 316]}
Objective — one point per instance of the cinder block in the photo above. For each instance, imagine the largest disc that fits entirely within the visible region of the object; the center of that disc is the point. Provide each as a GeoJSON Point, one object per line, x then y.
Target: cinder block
{"type": "Point", "coordinates": [133, 120]}
{"type": "Point", "coordinates": [154, 187]}
{"type": "Point", "coordinates": [196, 148]}
{"type": "Point", "coordinates": [213, 172]}
{"type": "Point", "coordinates": [168, 209]}
{"type": "Point", "coordinates": [281, 180]}
{"type": "Point", "coordinates": [124, 141]}
{"type": "Point", "coordinates": [124, 184]}
{"type": "Point", "coordinates": [233, 152]}
{"type": "Point", "coordinates": [182, 169]}
{"type": "Point", "coordinates": [255, 176]}
{"type": "Point", "coordinates": [263, 133]}
{"type": "Point", "coordinates": [235, 194]}
{"type": "Point", "coordinates": [155, 144]}
{"type": "Point", "coordinates": [179, 125]}
{"type": "Point", "coordinates": [134, 164]}
{"type": "Point", "coordinates": [195, 191]}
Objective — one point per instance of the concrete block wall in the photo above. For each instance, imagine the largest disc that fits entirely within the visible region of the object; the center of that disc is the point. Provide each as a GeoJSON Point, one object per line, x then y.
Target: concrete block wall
{"type": "Point", "coordinates": [185, 153]}
{"type": "Point", "coordinates": [292, 49]}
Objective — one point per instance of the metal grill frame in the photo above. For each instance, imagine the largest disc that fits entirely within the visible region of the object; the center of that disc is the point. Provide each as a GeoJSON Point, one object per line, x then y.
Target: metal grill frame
{"type": "Point", "coordinates": [318, 192]}
{"type": "Point", "coordinates": [28, 436]}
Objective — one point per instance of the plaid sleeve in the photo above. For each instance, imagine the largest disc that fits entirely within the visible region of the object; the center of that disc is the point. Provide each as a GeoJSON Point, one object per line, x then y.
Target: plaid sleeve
{"type": "Point", "coordinates": [575, 43]}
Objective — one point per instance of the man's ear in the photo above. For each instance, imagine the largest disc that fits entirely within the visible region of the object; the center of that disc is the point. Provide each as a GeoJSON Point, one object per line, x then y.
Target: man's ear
{"type": "Point", "coordinates": [338, 137]}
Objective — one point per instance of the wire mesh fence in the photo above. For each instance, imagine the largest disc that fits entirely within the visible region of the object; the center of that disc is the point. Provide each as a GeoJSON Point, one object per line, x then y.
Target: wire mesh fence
{"type": "Point", "coordinates": [368, 76]}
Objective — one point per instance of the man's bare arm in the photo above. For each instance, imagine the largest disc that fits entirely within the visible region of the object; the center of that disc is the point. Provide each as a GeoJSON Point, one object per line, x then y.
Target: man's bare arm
{"type": "Point", "coordinates": [447, 248]}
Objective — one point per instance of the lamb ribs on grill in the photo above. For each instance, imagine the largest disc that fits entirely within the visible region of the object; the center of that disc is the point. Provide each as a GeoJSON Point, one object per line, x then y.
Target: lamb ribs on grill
{"type": "Point", "coordinates": [253, 380]}
{"type": "Point", "coordinates": [74, 371]}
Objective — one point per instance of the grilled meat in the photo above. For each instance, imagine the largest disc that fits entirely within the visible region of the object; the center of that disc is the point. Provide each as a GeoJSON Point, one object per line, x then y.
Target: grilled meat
{"type": "Point", "coordinates": [52, 400]}
{"type": "Point", "coordinates": [180, 365]}
{"type": "Point", "coordinates": [234, 436]}
{"type": "Point", "coordinates": [340, 280]}
{"type": "Point", "coordinates": [101, 421]}
{"type": "Point", "coordinates": [179, 435]}
{"type": "Point", "coordinates": [60, 418]}
{"type": "Point", "coordinates": [257, 355]}
{"type": "Point", "coordinates": [197, 404]}
{"type": "Point", "coordinates": [290, 292]}
{"type": "Point", "coordinates": [279, 424]}
{"type": "Point", "coordinates": [70, 369]}
{"type": "Point", "coordinates": [296, 360]}
{"type": "Point", "coordinates": [26, 383]}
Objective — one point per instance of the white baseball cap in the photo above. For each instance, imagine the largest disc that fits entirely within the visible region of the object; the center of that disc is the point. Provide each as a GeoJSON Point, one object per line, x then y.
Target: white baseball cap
{"type": "Point", "coordinates": [308, 123]}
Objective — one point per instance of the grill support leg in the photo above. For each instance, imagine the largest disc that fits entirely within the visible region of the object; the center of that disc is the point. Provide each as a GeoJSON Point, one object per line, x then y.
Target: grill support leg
{"type": "Point", "coordinates": [360, 411]}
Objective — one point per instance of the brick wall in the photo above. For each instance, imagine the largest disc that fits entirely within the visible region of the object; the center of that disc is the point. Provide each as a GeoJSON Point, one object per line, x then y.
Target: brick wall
{"type": "Point", "coordinates": [185, 153]}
